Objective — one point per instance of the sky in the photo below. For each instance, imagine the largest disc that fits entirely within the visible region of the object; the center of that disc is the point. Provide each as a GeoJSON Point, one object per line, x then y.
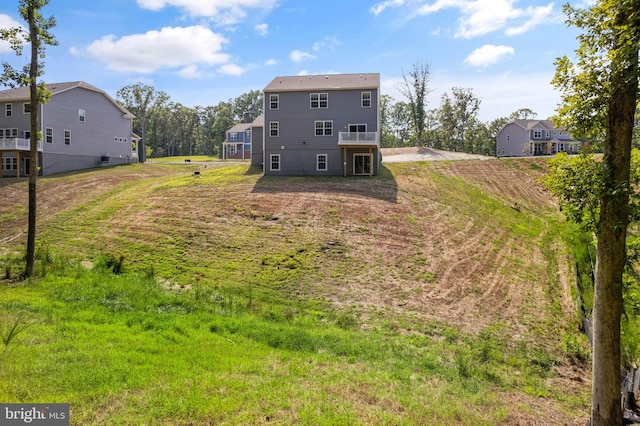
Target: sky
{"type": "Point", "coordinates": [201, 52]}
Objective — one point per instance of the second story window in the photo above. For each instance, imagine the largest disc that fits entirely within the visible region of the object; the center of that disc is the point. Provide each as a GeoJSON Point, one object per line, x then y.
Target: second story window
{"type": "Point", "coordinates": [274, 129]}
{"type": "Point", "coordinates": [366, 99]}
{"type": "Point", "coordinates": [537, 134]}
{"type": "Point", "coordinates": [48, 135]}
{"type": "Point", "coordinates": [8, 109]}
{"type": "Point", "coordinates": [26, 108]}
{"type": "Point", "coordinates": [324, 128]}
{"type": "Point", "coordinates": [319, 100]}
{"type": "Point", "coordinates": [233, 136]}
{"type": "Point", "coordinates": [82, 115]}
{"type": "Point", "coordinates": [274, 101]}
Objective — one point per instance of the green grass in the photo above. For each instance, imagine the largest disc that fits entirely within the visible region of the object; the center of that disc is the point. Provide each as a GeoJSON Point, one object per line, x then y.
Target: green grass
{"type": "Point", "coordinates": [123, 349]}
{"type": "Point", "coordinates": [259, 325]}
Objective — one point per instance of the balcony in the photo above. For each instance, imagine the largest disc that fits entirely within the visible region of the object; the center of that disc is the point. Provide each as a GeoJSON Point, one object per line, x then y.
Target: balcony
{"type": "Point", "coordinates": [17, 144]}
{"type": "Point", "coordinates": [363, 139]}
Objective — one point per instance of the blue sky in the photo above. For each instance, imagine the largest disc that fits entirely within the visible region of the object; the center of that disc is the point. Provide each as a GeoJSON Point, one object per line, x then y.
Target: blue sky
{"type": "Point", "coordinates": [201, 52]}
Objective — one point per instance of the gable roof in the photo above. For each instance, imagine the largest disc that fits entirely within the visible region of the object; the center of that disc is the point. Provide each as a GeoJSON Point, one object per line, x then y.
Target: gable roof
{"type": "Point", "coordinates": [324, 82]}
{"type": "Point", "coordinates": [23, 93]}
{"type": "Point", "coordinates": [532, 124]}
{"type": "Point", "coordinates": [258, 122]}
{"type": "Point", "coordinates": [240, 127]}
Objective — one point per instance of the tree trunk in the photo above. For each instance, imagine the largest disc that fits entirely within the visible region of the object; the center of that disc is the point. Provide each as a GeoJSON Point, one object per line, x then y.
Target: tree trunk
{"type": "Point", "coordinates": [33, 151]}
{"type": "Point", "coordinates": [612, 227]}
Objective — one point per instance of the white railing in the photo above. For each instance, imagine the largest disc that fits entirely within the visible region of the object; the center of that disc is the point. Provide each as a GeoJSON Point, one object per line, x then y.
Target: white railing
{"type": "Point", "coordinates": [17, 144]}
{"type": "Point", "coordinates": [358, 138]}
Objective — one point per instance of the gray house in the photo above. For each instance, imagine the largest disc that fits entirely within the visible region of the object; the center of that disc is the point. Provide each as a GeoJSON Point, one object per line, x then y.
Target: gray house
{"type": "Point", "coordinates": [525, 138]}
{"type": "Point", "coordinates": [81, 127]}
{"type": "Point", "coordinates": [238, 142]}
{"type": "Point", "coordinates": [257, 137]}
{"type": "Point", "coordinates": [322, 125]}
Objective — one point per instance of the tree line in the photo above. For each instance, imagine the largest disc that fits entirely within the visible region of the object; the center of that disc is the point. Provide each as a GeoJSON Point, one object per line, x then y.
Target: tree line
{"type": "Point", "coordinates": [170, 128]}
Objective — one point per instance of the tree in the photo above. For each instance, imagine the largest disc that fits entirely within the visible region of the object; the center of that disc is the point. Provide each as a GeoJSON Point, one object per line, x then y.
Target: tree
{"type": "Point", "coordinates": [142, 100]}
{"type": "Point", "coordinates": [600, 95]}
{"type": "Point", "coordinates": [415, 88]}
{"type": "Point", "coordinates": [523, 114]}
{"type": "Point", "coordinates": [39, 35]}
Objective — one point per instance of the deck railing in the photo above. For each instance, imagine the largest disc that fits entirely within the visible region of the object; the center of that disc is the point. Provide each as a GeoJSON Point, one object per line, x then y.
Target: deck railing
{"type": "Point", "coordinates": [17, 144]}
{"type": "Point", "coordinates": [358, 138]}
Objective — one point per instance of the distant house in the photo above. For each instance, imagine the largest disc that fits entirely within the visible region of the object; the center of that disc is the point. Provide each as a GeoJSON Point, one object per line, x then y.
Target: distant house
{"type": "Point", "coordinates": [238, 142]}
{"type": "Point", "coordinates": [525, 138]}
{"type": "Point", "coordinates": [322, 125]}
{"type": "Point", "coordinates": [81, 127]}
{"type": "Point", "coordinates": [257, 137]}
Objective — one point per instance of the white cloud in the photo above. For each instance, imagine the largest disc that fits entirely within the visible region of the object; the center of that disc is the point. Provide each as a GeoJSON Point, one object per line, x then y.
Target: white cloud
{"type": "Point", "coordinates": [171, 47]}
{"type": "Point", "coordinates": [487, 55]}
{"type": "Point", "coordinates": [226, 12]}
{"type": "Point", "coordinates": [535, 16]}
{"type": "Point", "coordinates": [7, 22]}
{"type": "Point", "coordinates": [300, 56]}
{"type": "Point", "coordinates": [272, 62]}
{"type": "Point", "coordinates": [231, 69]}
{"type": "Point", "coordinates": [477, 17]}
{"type": "Point", "coordinates": [328, 42]}
{"type": "Point", "coordinates": [191, 72]}
{"type": "Point", "coordinates": [377, 9]}
{"type": "Point", "coordinates": [262, 29]}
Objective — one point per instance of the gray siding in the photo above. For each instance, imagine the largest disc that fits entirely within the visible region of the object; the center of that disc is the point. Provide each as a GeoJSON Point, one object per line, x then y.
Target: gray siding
{"type": "Point", "coordinates": [257, 138]}
{"type": "Point", "coordinates": [91, 139]}
{"type": "Point", "coordinates": [511, 141]}
{"type": "Point", "coordinates": [297, 142]}
{"type": "Point", "coordinates": [105, 132]}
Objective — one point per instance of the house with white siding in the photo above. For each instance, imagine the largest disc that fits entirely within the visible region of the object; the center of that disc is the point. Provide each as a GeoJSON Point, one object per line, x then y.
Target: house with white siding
{"type": "Point", "coordinates": [81, 126]}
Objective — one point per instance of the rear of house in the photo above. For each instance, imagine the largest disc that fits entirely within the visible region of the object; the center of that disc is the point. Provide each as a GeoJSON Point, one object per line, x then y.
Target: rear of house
{"type": "Point", "coordinates": [238, 142]}
{"type": "Point", "coordinates": [322, 125]}
{"type": "Point", "coordinates": [82, 127]}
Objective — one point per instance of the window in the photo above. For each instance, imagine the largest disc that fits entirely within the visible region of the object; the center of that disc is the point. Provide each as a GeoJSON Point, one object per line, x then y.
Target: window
{"type": "Point", "coordinates": [321, 162]}
{"type": "Point", "coordinates": [275, 162]}
{"type": "Point", "coordinates": [8, 108]}
{"type": "Point", "coordinates": [366, 99]}
{"type": "Point", "coordinates": [537, 134]}
{"type": "Point", "coordinates": [233, 136]}
{"type": "Point", "coordinates": [548, 133]}
{"type": "Point", "coordinates": [26, 108]}
{"type": "Point", "coordinates": [274, 129]}
{"type": "Point", "coordinates": [67, 137]}
{"type": "Point", "coordinates": [319, 100]}
{"type": "Point", "coordinates": [82, 116]}
{"type": "Point", "coordinates": [508, 138]}
{"type": "Point", "coordinates": [115, 139]}
{"type": "Point", "coordinates": [324, 128]}
{"type": "Point", "coordinates": [10, 133]}
{"type": "Point", "coordinates": [274, 101]}
{"type": "Point", "coordinates": [48, 135]}
{"type": "Point", "coordinates": [354, 128]}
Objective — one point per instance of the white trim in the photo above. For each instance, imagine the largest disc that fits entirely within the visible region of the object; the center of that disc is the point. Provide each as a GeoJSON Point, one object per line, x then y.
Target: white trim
{"type": "Point", "coordinates": [326, 162]}
{"type": "Point", "coordinates": [276, 157]}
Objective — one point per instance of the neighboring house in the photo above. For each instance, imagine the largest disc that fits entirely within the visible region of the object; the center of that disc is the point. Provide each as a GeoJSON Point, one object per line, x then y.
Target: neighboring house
{"type": "Point", "coordinates": [524, 138]}
{"type": "Point", "coordinates": [238, 142]}
{"type": "Point", "coordinates": [81, 127]}
{"type": "Point", "coordinates": [257, 137]}
{"type": "Point", "coordinates": [322, 125]}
